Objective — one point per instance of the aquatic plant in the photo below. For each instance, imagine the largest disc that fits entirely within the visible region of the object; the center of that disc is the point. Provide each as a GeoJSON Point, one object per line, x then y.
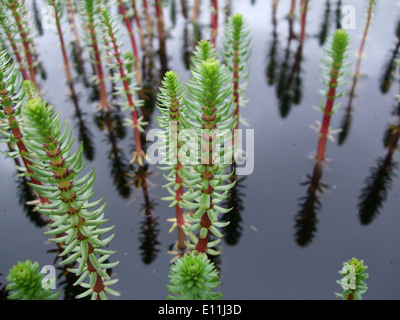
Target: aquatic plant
{"type": "Point", "coordinates": [11, 98]}
{"type": "Point", "coordinates": [20, 14]}
{"type": "Point", "coordinates": [353, 282]}
{"type": "Point", "coordinates": [11, 33]}
{"type": "Point", "coordinates": [195, 11]}
{"type": "Point", "coordinates": [26, 282]}
{"type": "Point", "coordinates": [131, 34]}
{"type": "Point", "coordinates": [347, 119]}
{"type": "Point", "coordinates": [58, 12]}
{"type": "Point", "coordinates": [89, 10]}
{"type": "Point", "coordinates": [209, 119]}
{"type": "Point", "coordinates": [161, 35]}
{"type": "Point", "coordinates": [171, 105]}
{"type": "Point", "coordinates": [129, 90]}
{"type": "Point", "coordinates": [236, 55]}
{"type": "Point", "coordinates": [334, 76]}
{"type": "Point", "coordinates": [78, 226]}
{"type": "Point", "coordinates": [214, 21]}
{"type": "Point", "coordinates": [149, 23]}
{"type": "Point", "coordinates": [193, 277]}
{"type": "Point", "coordinates": [203, 51]}
{"type": "Point", "coordinates": [138, 24]}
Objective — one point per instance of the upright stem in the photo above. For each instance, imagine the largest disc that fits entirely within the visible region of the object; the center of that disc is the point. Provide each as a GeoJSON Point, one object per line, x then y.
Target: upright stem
{"type": "Point", "coordinates": [64, 52]}
{"type": "Point", "coordinates": [149, 23]}
{"type": "Point", "coordinates": [102, 85]}
{"type": "Point", "coordinates": [214, 21]}
{"type": "Point", "coordinates": [138, 24]}
{"type": "Point", "coordinates": [74, 27]}
{"type": "Point", "coordinates": [161, 36]}
{"type": "Point", "coordinates": [320, 156]}
{"type": "Point", "coordinates": [120, 63]}
{"type": "Point", "coordinates": [5, 24]}
{"type": "Point", "coordinates": [25, 41]}
{"type": "Point", "coordinates": [133, 41]}
{"type": "Point", "coordinates": [303, 20]}
{"type": "Point", "coordinates": [291, 17]}
{"type": "Point", "coordinates": [360, 53]}
{"type": "Point", "coordinates": [17, 134]}
{"type": "Point", "coordinates": [195, 11]}
{"type": "Point", "coordinates": [205, 221]}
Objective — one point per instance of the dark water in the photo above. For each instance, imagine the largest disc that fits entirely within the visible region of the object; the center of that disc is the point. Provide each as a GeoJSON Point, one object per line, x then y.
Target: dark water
{"type": "Point", "coordinates": [260, 255]}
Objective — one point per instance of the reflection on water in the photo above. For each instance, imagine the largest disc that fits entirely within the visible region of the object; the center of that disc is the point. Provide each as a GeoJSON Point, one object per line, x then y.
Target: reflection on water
{"type": "Point", "coordinates": [310, 205]}
{"type": "Point", "coordinates": [389, 68]}
{"type": "Point", "coordinates": [379, 182]}
{"type": "Point", "coordinates": [285, 72]}
{"type": "Point", "coordinates": [289, 78]}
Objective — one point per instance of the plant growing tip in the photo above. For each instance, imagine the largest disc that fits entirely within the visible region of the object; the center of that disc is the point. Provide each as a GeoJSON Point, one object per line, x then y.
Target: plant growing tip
{"type": "Point", "coordinates": [193, 277]}
{"type": "Point", "coordinates": [25, 282]}
{"type": "Point", "coordinates": [236, 54]}
{"type": "Point", "coordinates": [171, 106]}
{"type": "Point", "coordinates": [333, 77]}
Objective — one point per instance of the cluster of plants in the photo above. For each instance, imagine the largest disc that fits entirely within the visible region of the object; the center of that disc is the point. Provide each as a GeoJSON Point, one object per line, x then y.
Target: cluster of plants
{"type": "Point", "coordinates": [198, 121]}
{"type": "Point", "coordinates": [34, 132]}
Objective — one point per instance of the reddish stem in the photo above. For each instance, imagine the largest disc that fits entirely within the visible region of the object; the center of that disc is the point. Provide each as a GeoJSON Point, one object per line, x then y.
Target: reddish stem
{"type": "Point", "coordinates": [103, 93]}
{"type": "Point", "coordinates": [129, 97]}
{"type": "Point", "coordinates": [17, 56]}
{"type": "Point", "coordinates": [13, 122]}
{"type": "Point", "coordinates": [133, 41]}
{"type": "Point", "coordinates": [25, 42]}
{"type": "Point", "coordinates": [195, 11]}
{"type": "Point", "coordinates": [148, 22]}
{"type": "Point", "coordinates": [201, 245]}
{"type": "Point", "coordinates": [214, 22]}
{"type": "Point", "coordinates": [64, 52]}
{"type": "Point", "coordinates": [320, 156]}
{"type": "Point", "coordinates": [138, 23]}
{"type": "Point", "coordinates": [360, 52]}
{"type": "Point", "coordinates": [303, 10]}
